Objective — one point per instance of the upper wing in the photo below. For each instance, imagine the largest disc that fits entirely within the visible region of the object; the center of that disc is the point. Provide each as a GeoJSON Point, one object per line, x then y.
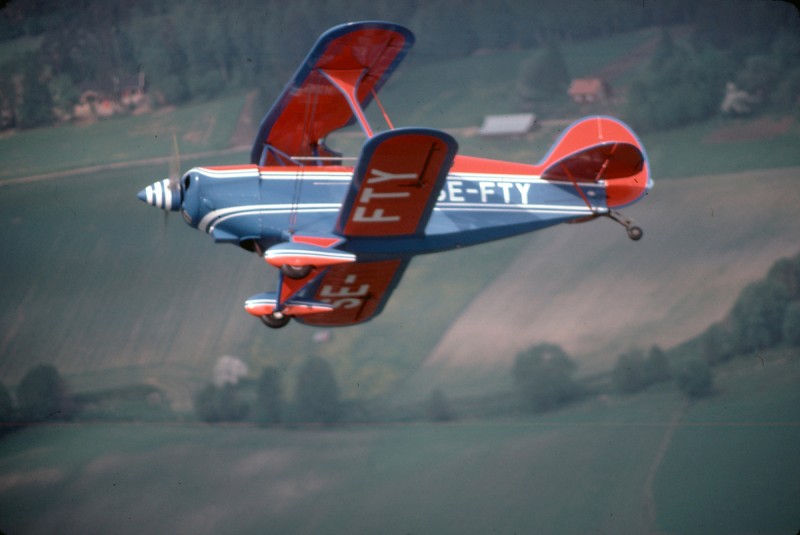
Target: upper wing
{"type": "Point", "coordinates": [393, 191]}
{"type": "Point", "coordinates": [310, 106]}
{"type": "Point", "coordinates": [357, 291]}
{"type": "Point", "coordinates": [395, 184]}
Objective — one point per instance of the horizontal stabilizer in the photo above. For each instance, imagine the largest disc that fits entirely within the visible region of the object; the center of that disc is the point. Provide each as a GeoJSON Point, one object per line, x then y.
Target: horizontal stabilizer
{"type": "Point", "coordinates": [607, 161]}
{"type": "Point", "coordinates": [598, 149]}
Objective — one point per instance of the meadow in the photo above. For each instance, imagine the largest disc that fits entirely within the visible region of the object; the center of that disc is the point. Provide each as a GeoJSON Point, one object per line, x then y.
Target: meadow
{"type": "Point", "coordinates": [642, 464]}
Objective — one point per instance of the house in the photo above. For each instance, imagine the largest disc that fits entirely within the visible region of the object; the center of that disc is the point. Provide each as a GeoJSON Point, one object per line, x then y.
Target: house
{"type": "Point", "coordinates": [112, 96]}
{"type": "Point", "coordinates": [589, 90]}
{"type": "Point", "coordinates": [517, 124]}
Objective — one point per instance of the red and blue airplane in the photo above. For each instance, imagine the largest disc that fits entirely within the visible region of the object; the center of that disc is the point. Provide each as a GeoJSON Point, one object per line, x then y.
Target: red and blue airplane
{"type": "Point", "coordinates": [342, 236]}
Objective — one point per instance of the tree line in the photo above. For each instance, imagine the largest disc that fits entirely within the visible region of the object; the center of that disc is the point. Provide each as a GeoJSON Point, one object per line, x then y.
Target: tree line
{"type": "Point", "coordinates": [201, 48]}
{"type": "Point", "coordinates": [765, 316]}
{"type": "Point", "coordinates": [686, 82]}
{"type": "Point", "coordinates": [42, 395]}
{"type": "Point", "coordinates": [316, 398]}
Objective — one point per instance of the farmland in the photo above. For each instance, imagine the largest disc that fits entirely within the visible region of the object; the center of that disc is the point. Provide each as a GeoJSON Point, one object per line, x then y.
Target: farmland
{"type": "Point", "coordinates": [113, 294]}
{"type": "Point", "coordinates": [647, 463]}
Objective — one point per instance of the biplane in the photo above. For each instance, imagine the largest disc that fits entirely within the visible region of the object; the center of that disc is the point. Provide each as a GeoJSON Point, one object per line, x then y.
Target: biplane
{"type": "Point", "coordinates": [342, 235]}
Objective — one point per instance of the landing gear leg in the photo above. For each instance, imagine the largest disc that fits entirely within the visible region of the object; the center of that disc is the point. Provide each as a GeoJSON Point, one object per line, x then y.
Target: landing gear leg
{"type": "Point", "coordinates": [634, 232]}
{"type": "Point", "coordinates": [276, 320]}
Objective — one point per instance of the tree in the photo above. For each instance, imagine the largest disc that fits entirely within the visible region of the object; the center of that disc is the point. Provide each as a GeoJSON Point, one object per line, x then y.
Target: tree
{"type": "Point", "coordinates": [791, 324]}
{"type": "Point", "coordinates": [220, 404]}
{"type": "Point", "coordinates": [205, 404]}
{"type": "Point", "coordinates": [44, 395]}
{"type": "Point", "coordinates": [494, 24]}
{"type": "Point", "coordinates": [657, 365]}
{"type": "Point", "coordinates": [718, 344]}
{"type": "Point", "coordinates": [438, 407]}
{"type": "Point", "coordinates": [695, 379]}
{"type": "Point", "coordinates": [786, 272]}
{"type": "Point", "coordinates": [268, 406]}
{"type": "Point", "coordinates": [317, 393]}
{"type": "Point", "coordinates": [36, 108]}
{"type": "Point", "coordinates": [444, 29]}
{"type": "Point", "coordinates": [543, 76]}
{"type": "Point", "coordinates": [759, 75]}
{"type": "Point", "coordinates": [679, 87]}
{"type": "Point", "coordinates": [665, 49]}
{"type": "Point", "coordinates": [543, 377]}
{"type": "Point", "coordinates": [6, 405]}
{"type": "Point", "coordinates": [630, 372]}
{"type": "Point", "coordinates": [757, 315]}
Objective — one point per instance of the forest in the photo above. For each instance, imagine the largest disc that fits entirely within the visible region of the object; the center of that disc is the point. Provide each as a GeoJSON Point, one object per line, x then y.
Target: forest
{"type": "Point", "coordinates": [183, 51]}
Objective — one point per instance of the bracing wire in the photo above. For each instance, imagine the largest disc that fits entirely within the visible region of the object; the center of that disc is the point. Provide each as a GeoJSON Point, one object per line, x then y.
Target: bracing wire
{"type": "Point", "coordinates": [306, 141]}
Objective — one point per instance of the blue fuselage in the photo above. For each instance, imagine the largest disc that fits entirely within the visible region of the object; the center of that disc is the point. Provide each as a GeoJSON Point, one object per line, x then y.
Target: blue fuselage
{"type": "Point", "coordinates": [264, 206]}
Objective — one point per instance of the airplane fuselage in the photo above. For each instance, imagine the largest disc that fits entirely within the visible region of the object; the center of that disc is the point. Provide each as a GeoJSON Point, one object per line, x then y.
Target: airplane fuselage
{"type": "Point", "coordinates": [247, 205]}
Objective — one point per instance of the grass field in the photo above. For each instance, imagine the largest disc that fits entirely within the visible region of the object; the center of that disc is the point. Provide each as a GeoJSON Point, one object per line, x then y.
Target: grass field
{"type": "Point", "coordinates": [643, 464]}
{"type": "Point", "coordinates": [198, 127]}
{"type": "Point", "coordinates": [597, 294]}
{"type": "Point", "coordinates": [732, 466]}
{"type": "Point", "coordinates": [103, 282]}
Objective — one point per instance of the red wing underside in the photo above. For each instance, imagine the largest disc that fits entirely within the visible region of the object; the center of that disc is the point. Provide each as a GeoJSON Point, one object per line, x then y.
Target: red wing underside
{"type": "Point", "coordinates": [357, 291]}
{"type": "Point", "coordinates": [311, 106]}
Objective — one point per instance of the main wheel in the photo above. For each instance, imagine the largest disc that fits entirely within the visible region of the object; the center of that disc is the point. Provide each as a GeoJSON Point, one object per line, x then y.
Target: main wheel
{"type": "Point", "coordinates": [296, 272]}
{"type": "Point", "coordinates": [635, 233]}
{"type": "Point", "coordinates": [275, 320]}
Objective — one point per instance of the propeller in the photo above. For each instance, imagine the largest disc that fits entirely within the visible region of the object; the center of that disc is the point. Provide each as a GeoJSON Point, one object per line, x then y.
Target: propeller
{"type": "Point", "coordinates": [166, 194]}
{"type": "Point", "coordinates": [175, 165]}
{"type": "Point", "coordinates": [174, 172]}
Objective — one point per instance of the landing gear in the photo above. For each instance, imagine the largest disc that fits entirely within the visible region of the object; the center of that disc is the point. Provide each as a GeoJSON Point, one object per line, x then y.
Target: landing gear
{"type": "Point", "coordinates": [296, 272]}
{"type": "Point", "coordinates": [634, 232]}
{"type": "Point", "coordinates": [276, 320]}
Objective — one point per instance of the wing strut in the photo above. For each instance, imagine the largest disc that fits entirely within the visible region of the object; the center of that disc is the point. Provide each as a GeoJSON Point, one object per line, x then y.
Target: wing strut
{"type": "Point", "coordinates": [347, 82]}
{"type": "Point", "coordinates": [383, 111]}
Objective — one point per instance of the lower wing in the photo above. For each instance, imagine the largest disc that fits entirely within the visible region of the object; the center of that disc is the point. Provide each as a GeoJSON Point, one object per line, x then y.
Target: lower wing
{"type": "Point", "coordinates": [357, 291]}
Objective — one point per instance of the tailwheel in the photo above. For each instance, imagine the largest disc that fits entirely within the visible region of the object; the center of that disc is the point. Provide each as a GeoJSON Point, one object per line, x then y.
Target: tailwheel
{"type": "Point", "coordinates": [634, 232]}
{"type": "Point", "coordinates": [276, 320]}
{"type": "Point", "coordinates": [296, 272]}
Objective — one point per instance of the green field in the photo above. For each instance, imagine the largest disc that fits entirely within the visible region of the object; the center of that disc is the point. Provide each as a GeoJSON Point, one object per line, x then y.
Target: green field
{"type": "Point", "coordinates": [104, 282]}
{"type": "Point", "coordinates": [198, 128]}
{"type": "Point", "coordinates": [643, 464]}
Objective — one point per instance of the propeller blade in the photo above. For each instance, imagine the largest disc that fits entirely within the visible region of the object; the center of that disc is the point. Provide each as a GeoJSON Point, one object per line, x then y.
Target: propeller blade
{"type": "Point", "coordinates": [174, 164]}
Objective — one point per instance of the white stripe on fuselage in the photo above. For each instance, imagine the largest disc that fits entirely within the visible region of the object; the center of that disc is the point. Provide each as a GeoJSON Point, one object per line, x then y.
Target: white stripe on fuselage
{"type": "Point", "coordinates": [226, 213]}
